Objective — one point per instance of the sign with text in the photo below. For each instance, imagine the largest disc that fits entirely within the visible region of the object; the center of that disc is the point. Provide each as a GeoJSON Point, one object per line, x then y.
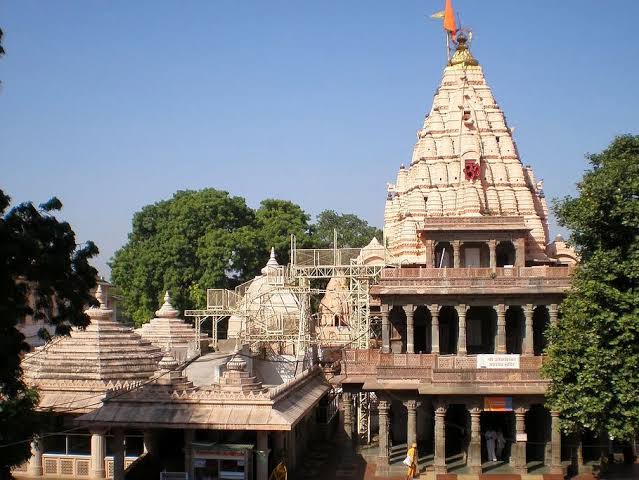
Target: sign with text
{"type": "Point", "coordinates": [497, 361]}
{"type": "Point", "coordinates": [498, 404]}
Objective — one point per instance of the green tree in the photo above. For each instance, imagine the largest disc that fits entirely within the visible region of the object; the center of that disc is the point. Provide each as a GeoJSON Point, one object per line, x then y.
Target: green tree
{"type": "Point", "coordinates": [352, 231]}
{"type": "Point", "coordinates": [44, 274]}
{"type": "Point", "coordinates": [593, 354]}
{"type": "Point", "coordinates": [277, 220]}
{"type": "Point", "coordinates": [195, 239]}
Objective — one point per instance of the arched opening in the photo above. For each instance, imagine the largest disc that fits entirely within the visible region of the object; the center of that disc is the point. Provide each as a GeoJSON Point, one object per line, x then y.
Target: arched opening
{"type": "Point", "coordinates": [448, 330]}
{"type": "Point", "coordinates": [443, 255]}
{"type": "Point", "coordinates": [505, 253]}
{"type": "Point", "coordinates": [397, 318]}
{"type": "Point", "coordinates": [514, 329]}
{"type": "Point", "coordinates": [422, 330]}
{"type": "Point", "coordinates": [538, 431]}
{"type": "Point", "coordinates": [541, 320]}
{"type": "Point", "coordinates": [457, 423]}
{"type": "Point", "coordinates": [481, 325]}
{"type": "Point", "coordinates": [475, 254]}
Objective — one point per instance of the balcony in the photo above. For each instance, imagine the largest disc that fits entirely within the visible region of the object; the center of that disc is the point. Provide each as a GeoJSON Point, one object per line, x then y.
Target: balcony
{"type": "Point", "coordinates": [427, 280]}
{"type": "Point", "coordinates": [431, 373]}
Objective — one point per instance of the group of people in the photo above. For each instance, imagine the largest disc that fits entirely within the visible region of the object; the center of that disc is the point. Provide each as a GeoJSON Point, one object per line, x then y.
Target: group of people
{"type": "Point", "coordinates": [495, 443]}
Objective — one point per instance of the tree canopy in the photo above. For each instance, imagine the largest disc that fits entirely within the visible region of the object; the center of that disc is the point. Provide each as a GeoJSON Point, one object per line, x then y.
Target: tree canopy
{"type": "Point", "coordinates": [209, 239]}
{"type": "Point", "coordinates": [43, 274]}
{"type": "Point", "coordinates": [352, 231]}
{"type": "Point", "coordinates": [593, 355]}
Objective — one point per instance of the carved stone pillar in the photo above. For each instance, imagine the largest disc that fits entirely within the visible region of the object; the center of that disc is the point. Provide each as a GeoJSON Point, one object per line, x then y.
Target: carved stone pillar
{"type": "Point", "coordinates": [383, 409]}
{"type": "Point", "coordinates": [434, 325]}
{"type": "Point", "coordinates": [553, 311]}
{"type": "Point", "coordinates": [461, 341]}
{"type": "Point", "coordinates": [433, 258]}
{"type": "Point", "coordinates": [440, 439]}
{"type": "Point", "coordinates": [555, 444]}
{"type": "Point", "coordinates": [98, 452]}
{"type": "Point", "coordinates": [385, 329]}
{"type": "Point", "coordinates": [500, 344]}
{"type": "Point", "coordinates": [347, 400]}
{"type": "Point", "coordinates": [474, 449]}
{"type": "Point", "coordinates": [411, 426]}
{"type": "Point", "coordinates": [519, 447]}
{"type": "Point", "coordinates": [492, 247]}
{"type": "Point", "coordinates": [118, 454]}
{"type": "Point", "coordinates": [261, 469]}
{"type": "Point", "coordinates": [456, 256]}
{"type": "Point", "coordinates": [528, 348]}
{"type": "Point", "coordinates": [520, 252]}
{"type": "Point", "coordinates": [189, 436]}
{"type": "Point", "coordinates": [35, 462]}
{"type": "Point", "coordinates": [410, 328]}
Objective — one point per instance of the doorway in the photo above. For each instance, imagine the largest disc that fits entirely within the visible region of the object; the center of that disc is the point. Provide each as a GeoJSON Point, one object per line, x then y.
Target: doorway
{"type": "Point", "coordinates": [501, 423]}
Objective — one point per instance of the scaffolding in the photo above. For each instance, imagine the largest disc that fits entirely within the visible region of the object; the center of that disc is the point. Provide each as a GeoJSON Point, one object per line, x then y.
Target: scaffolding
{"type": "Point", "coordinates": [279, 311]}
{"type": "Point", "coordinates": [276, 313]}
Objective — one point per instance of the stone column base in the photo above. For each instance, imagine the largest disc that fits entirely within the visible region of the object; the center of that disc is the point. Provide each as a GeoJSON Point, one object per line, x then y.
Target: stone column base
{"type": "Point", "coordinates": [382, 469]}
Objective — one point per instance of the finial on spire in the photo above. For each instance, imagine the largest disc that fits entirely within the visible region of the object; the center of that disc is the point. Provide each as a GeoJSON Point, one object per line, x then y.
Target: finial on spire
{"type": "Point", "coordinates": [167, 310]}
{"type": "Point", "coordinates": [462, 56]}
{"type": "Point", "coordinates": [100, 297]}
{"type": "Point", "coordinates": [272, 262]}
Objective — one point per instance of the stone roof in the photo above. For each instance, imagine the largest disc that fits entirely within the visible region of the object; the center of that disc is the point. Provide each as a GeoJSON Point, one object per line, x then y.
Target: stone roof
{"type": "Point", "coordinates": [465, 164]}
{"type": "Point", "coordinates": [167, 330]}
{"type": "Point", "coordinates": [220, 408]}
{"type": "Point", "coordinates": [74, 372]}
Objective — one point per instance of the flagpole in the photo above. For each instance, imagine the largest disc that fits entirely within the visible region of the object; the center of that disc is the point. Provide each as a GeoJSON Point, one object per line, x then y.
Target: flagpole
{"type": "Point", "coordinates": [447, 47]}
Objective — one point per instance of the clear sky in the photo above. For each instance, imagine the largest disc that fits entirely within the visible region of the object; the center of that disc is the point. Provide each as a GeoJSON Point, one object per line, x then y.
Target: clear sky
{"type": "Point", "coordinates": [112, 105]}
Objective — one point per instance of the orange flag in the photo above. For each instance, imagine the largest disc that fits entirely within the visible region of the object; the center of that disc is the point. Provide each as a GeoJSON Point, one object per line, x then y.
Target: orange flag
{"type": "Point", "coordinates": [449, 18]}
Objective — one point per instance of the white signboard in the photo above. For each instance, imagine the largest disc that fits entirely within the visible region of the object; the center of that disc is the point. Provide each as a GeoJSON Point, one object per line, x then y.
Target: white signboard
{"type": "Point", "coordinates": [521, 437]}
{"type": "Point", "coordinates": [497, 361]}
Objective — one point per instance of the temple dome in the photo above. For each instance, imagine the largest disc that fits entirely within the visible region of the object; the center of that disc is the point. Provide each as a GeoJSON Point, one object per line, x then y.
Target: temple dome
{"type": "Point", "coordinates": [266, 294]}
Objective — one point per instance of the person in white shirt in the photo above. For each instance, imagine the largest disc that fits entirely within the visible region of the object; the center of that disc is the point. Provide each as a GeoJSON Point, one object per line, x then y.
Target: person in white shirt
{"type": "Point", "coordinates": [491, 437]}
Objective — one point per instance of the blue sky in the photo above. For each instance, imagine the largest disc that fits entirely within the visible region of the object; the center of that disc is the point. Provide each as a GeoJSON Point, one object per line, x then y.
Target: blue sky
{"type": "Point", "coordinates": [112, 105]}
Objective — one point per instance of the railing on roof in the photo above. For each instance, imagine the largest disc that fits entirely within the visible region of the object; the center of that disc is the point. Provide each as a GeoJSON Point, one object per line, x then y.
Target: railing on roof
{"type": "Point", "coordinates": [477, 272]}
{"type": "Point", "coordinates": [220, 299]}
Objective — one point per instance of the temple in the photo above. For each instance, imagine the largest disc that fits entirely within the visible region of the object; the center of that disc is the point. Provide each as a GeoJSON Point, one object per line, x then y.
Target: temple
{"type": "Point", "coordinates": [433, 335]}
{"type": "Point", "coordinates": [464, 309]}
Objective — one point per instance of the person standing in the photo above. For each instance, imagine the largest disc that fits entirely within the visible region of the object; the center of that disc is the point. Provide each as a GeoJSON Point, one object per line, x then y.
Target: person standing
{"type": "Point", "coordinates": [280, 472]}
{"type": "Point", "coordinates": [411, 462]}
{"type": "Point", "coordinates": [491, 436]}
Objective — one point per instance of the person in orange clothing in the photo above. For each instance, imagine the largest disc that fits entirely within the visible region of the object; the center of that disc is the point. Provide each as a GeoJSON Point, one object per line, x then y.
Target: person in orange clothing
{"type": "Point", "coordinates": [280, 472]}
{"type": "Point", "coordinates": [411, 462]}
